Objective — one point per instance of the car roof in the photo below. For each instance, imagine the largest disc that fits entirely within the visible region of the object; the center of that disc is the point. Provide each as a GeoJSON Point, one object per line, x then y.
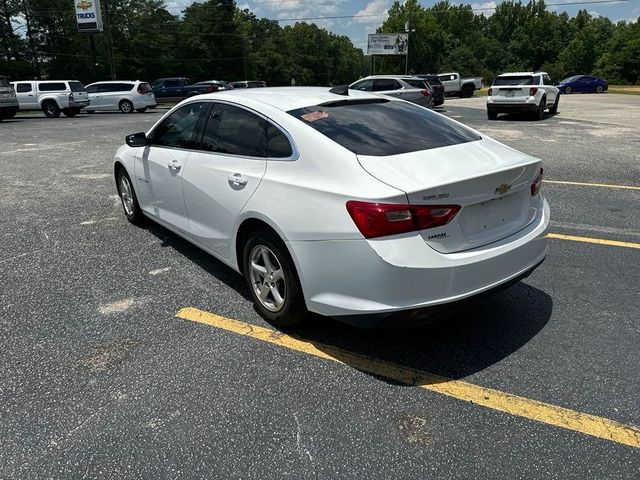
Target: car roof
{"type": "Point", "coordinates": [285, 98]}
{"type": "Point", "coordinates": [117, 81]}
{"type": "Point", "coordinates": [519, 74]}
{"type": "Point", "coordinates": [396, 77]}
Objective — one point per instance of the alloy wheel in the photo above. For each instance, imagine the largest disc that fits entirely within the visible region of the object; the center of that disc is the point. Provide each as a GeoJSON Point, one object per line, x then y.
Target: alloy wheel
{"type": "Point", "coordinates": [267, 278]}
{"type": "Point", "coordinates": [126, 194]}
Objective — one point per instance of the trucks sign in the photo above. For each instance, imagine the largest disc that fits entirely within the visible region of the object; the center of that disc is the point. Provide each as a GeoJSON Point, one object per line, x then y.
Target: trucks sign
{"type": "Point", "coordinates": [88, 15]}
{"type": "Point", "coordinates": [387, 44]}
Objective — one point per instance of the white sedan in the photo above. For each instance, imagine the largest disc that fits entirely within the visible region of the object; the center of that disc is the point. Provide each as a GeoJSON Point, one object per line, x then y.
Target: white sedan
{"type": "Point", "coordinates": [345, 204]}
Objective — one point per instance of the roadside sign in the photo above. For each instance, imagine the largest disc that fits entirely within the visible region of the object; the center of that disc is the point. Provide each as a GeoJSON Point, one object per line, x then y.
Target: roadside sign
{"type": "Point", "coordinates": [387, 44]}
{"type": "Point", "coordinates": [88, 16]}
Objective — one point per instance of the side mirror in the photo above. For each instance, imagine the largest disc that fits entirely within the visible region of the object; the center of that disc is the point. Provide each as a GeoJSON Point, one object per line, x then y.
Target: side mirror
{"type": "Point", "coordinates": [137, 139]}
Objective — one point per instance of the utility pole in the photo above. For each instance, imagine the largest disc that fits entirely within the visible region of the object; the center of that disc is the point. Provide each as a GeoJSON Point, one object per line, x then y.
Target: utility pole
{"type": "Point", "coordinates": [107, 26]}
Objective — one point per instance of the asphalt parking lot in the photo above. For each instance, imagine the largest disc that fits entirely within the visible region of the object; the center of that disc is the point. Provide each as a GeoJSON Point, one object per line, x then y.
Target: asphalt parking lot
{"type": "Point", "coordinates": [128, 353]}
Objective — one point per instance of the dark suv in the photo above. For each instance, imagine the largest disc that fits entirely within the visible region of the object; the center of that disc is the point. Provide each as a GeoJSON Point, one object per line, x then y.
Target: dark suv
{"type": "Point", "coordinates": [438, 88]}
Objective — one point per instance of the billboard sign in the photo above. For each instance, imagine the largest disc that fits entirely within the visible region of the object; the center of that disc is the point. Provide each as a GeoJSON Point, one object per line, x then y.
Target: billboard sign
{"type": "Point", "coordinates": [387, 44]}
{"type": "Point", "coordinates": [88, 15]}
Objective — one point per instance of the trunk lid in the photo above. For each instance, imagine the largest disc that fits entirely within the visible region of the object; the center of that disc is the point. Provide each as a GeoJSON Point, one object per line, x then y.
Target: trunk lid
{"type": "Point", "coordinates": [490, 181]}
{"type": "Point", "coordinates": [512, 92]}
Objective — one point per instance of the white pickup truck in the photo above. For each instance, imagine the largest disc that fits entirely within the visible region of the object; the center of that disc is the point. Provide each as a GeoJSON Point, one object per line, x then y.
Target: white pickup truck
{"type": "Point", "coordinates": [462, 87]}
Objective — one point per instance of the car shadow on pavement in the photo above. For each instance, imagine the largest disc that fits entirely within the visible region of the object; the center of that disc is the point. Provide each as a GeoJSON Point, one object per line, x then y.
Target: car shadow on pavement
{"type": "Point", "coordinates": [202, 259]}
{"type": "Point", "coordinates": [457, 344]}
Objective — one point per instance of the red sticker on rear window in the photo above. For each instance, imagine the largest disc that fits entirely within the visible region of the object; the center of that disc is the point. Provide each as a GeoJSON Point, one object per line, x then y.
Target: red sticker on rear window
{"type": "Point", "coordinates": [314, 116]}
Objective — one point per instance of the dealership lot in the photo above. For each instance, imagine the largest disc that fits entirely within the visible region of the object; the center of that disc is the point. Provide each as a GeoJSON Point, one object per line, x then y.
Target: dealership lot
{"type": "Point", "coordinates": [128, 353]}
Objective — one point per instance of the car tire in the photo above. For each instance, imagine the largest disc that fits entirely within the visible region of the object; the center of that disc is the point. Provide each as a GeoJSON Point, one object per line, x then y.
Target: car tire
{"type": "Point", "coordinates": [467, 91]}
{"type": "Point", "coordinates": [128, 197]}
{"type": "Point", "coordinates": [283, 303]}
{"type": "Point", "coordinates": [10, 115]}
{"type": "Point", "coordinates": [568, 90]}
{"type": "Point", "coordinates": [492, 115]}
{"type": "Point", "coordinates": [539, 114]}
{"type": "Point", "coordinates": [90, 111]}
{"type": "Point", "coordinates": [126, 106]}
{"type": "Point", "coordinates": [70, 112]}
{"type": "Point", "coordinates": [50, 109]}
{"type": "Point", "coordinates": [553, 110]}
{"type": "Point", "coordinates": [141, 110]}
{"type": "Point", "coordinates": [599, 89]}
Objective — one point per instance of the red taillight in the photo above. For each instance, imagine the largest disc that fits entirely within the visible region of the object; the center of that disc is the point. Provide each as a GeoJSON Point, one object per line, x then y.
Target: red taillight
{"type": "Point", "coordinates": [533, 91]}
{"type": "Point", "coordinates": [426, 93]}
{"type": "Point", "coordinates": [537, 183]}
{"type": "Point", "coordinates": [490, 92]}
{"type": "Point", "coordinates": [382, 219]}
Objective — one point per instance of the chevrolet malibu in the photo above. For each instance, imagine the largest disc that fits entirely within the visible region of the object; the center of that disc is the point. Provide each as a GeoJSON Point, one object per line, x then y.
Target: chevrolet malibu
{"type": "Point", "coordinates": [364, 208]}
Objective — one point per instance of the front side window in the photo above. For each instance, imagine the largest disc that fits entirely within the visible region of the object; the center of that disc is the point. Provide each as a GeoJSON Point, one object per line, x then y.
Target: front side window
{"type": "Point", "coordinates": [52, 87]}
{"type": "Point", "coordinates": [235, 131]}
{"type": "Point", "coordinates": [178, 129]}
{"type": "Point", "coordinates": [23, 87]}
{"type": "Point", "coordinates": [363, 85]}
{"type": "Point", "coordinates": [383, 127]}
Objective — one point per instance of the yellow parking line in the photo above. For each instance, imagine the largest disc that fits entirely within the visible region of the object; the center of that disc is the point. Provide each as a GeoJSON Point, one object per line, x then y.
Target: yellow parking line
{"type": "Point", "coordinates": [487, 397]}
{"type": "Point", "coordinates": [585, 184]}
{"type": "Point", "coordinates": [599, 241]}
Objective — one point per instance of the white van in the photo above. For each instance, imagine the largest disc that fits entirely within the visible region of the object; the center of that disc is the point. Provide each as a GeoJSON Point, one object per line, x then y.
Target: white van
{"type": "Point", "coordinates": [52, 96]}
{"type": "Point", "coordinates": [123, 95]}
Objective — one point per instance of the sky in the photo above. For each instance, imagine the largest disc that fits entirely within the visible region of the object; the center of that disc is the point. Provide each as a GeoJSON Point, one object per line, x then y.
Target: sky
{"type": "Point", "coordinates": [357, 28]}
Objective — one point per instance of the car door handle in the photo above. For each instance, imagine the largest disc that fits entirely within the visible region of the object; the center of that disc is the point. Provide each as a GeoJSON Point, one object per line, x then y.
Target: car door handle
{"type": "Point", "coordinates": [174, 165]}
{"type": "Point", "coordinates": [237, 179]}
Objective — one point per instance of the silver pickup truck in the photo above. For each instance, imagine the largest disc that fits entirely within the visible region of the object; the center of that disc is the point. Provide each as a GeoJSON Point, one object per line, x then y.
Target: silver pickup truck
{"type": "Point", "coordinates": [462, 87]}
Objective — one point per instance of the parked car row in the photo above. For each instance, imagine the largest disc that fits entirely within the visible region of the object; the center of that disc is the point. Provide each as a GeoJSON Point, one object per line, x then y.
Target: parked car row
{"type": "Point", "coordinates": [69, 97]}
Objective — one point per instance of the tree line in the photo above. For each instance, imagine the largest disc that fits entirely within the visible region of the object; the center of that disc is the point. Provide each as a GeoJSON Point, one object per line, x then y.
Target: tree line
{"type": "Point", "coordinates": [217, 39]}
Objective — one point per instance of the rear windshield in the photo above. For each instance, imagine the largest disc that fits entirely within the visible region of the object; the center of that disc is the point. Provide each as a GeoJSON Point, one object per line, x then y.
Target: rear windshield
{"type": "Point", "coordinates": [432, 79]}
{"type": "Point", "coordinates": [513, 80]}
{"type": "Point", "coordinates": [383, 127]}
{"type": "Point", "coordinates": [4, 82]}
{"type": "Point", "coordinates": [416, 83]}
{"type": "Point", "coordinates": [77, 87]}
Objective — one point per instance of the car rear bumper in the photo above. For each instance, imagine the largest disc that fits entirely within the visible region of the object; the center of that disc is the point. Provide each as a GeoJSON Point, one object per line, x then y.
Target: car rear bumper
{"type": "Point", "coordinates": [79, 104]}
{"type": "Point", "coordinates": [512, 107]}
{"type": "Point", "coordinates": [9, 108]}
{"type": "Point", "coordinates": [370, 280]}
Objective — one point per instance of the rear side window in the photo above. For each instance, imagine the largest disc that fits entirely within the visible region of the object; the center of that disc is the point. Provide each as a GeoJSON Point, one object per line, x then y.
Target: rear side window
{"type": "Point", "coordinates": [23, 87]}
{"type": "Point", "coordinates": [52, 87]}
{"type": "Point", "coordinates": [382, 85]}
{"type": "Point", "coordinates": [514, 80]}
{"type": "Point", "coordinates": [383, 127]}
{"type": "Point", "coordinates": [172, 83]}
{"type": "Point", "coordinates": [177, 130]}
{"type": "Point", "coordinates": [277, 143]}
{"type": "Point", "coordinates": [144, 87]}
{"type": "Point", "coordinates": [92, 89]}
{"type": "Point", "coordinates": [76, 87]}
{"type": "Point", "coordinates": [235, 131]}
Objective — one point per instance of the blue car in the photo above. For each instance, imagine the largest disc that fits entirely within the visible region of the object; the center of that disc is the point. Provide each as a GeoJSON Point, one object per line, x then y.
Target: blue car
{"type": "Point", "coordinates": [583, 83]}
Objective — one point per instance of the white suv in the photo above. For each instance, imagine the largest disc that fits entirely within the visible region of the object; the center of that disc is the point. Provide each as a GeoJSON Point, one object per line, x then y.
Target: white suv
{"type": "Point", "coordinates": [406, 87]}
{"type": "Point", "coordinates": [530, 92]}
{"type": "Point", "coordinates": [123, 95]}
{"type": "Point", "coordinates": [52, 96]}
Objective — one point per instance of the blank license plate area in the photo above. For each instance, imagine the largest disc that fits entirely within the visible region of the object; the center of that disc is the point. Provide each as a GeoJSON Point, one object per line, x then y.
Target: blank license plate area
{"type": "Point", "coordinates": [496, 218]}
{"type": "Point", "coordinates": [509, 93]}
